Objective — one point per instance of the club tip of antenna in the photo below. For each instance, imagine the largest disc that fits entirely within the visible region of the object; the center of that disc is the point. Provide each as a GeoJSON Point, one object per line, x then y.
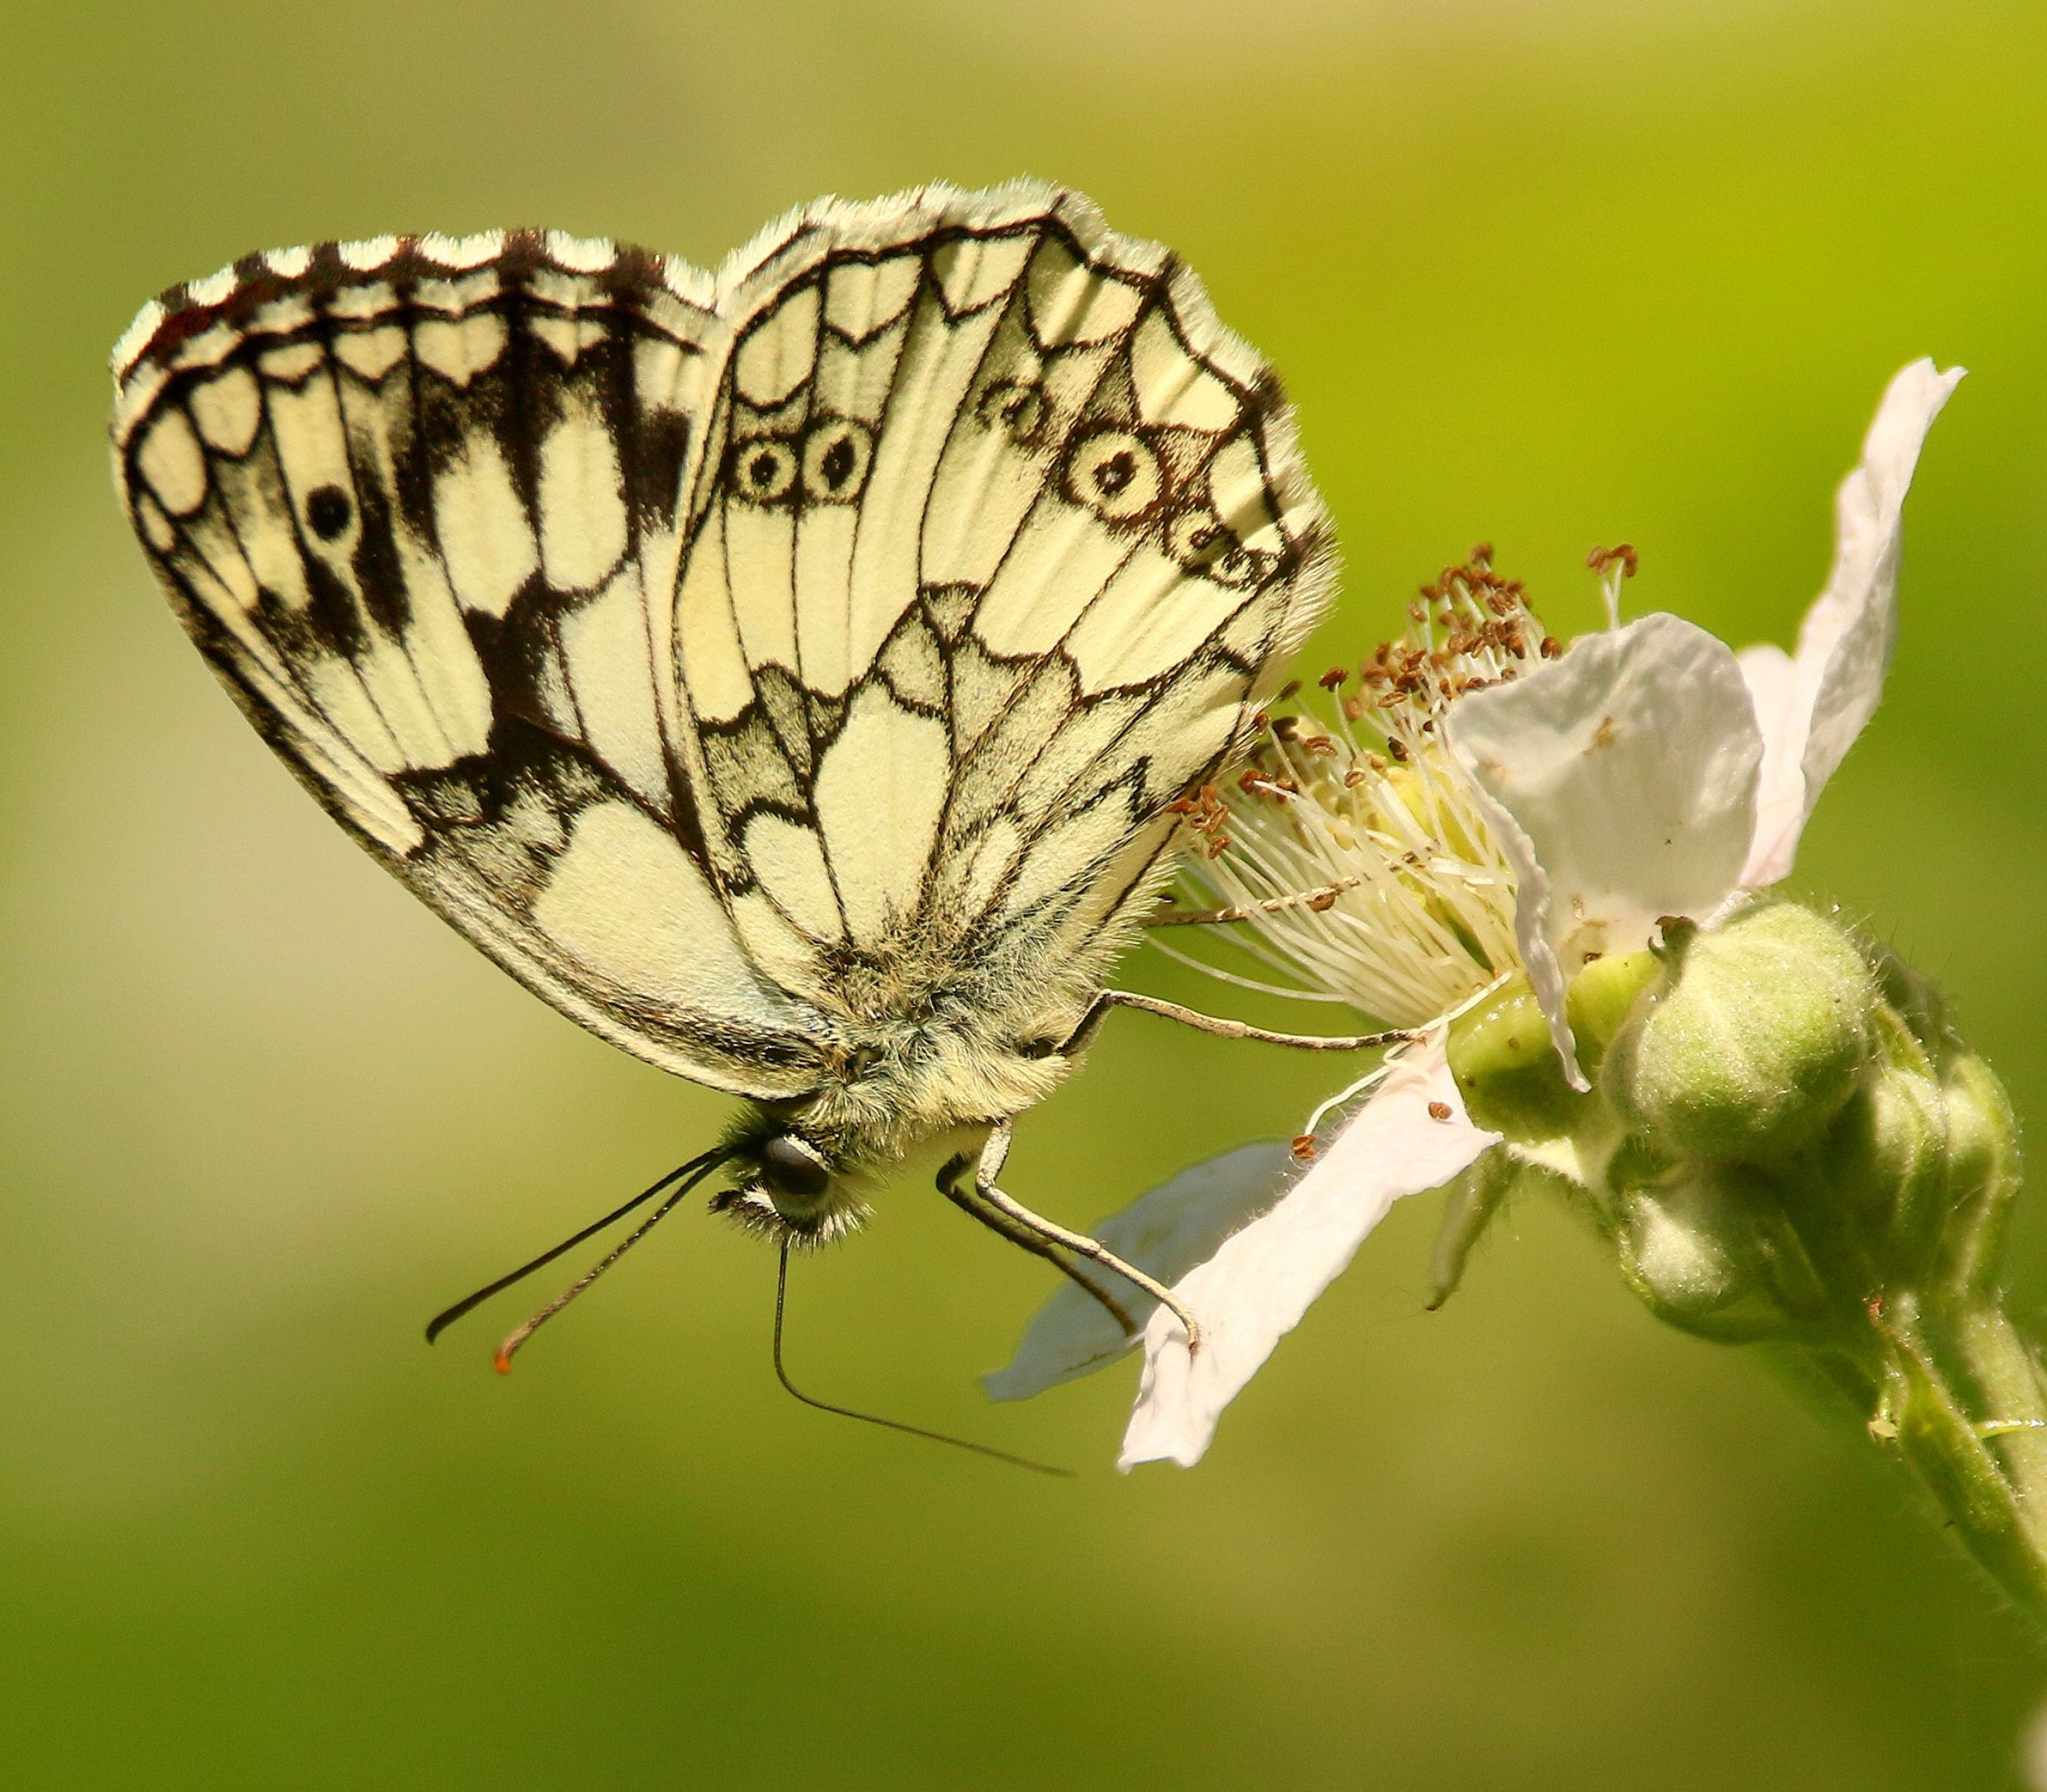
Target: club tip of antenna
{"type": "Point", "coordinates": [502, 1361]}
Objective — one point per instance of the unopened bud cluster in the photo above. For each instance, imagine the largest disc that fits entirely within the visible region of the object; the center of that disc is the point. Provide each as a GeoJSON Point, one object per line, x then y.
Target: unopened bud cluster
{"type": "Point", "coordinates": [1782, 1136]}
{"type": "Point", "coordinates": [1787, 1142]}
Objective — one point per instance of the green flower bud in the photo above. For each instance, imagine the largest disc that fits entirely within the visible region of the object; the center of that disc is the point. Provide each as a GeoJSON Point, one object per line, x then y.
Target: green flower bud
{"type": "Point", "coordinates": [1982, 1173]}
{"type": "Point", "coordinates": [1706, 1248]}
{"type": "Point", "coordinates": [1507, 1069]}
{"type": "Point", "coordinates": [1755, 1040]}
{"type": "Point", "coordinates": [1672, 1249]}
{"type": "Point", "coordinates": [1886, 1155]}
{"type": "Point", "coordinates": [1789, 1142]}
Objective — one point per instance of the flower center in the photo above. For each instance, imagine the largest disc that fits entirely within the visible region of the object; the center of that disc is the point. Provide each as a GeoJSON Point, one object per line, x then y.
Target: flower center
{"type": "Point", "coordinates": [1352, 854]}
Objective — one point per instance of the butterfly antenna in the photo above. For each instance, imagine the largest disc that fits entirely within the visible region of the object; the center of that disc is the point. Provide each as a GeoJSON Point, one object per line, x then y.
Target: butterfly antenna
{"type": "Point", "coordinates": [781, 1375]}
{"type": "Point", "coordinates": [699, 1166]}
{"type": "Point", "coordinates": [506, 1351]}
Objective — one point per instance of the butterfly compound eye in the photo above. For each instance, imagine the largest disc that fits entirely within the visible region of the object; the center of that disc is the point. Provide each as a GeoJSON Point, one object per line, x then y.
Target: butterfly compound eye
{"type": "Point", "coordinates": [794, 1173]}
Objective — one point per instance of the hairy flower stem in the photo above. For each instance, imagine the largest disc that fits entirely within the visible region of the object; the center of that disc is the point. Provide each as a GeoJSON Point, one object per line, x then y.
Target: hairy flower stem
{"type": "Point", "coordinates": [1932, 1358]}
{"type": "Point", "coordinates": [1957, 1392]}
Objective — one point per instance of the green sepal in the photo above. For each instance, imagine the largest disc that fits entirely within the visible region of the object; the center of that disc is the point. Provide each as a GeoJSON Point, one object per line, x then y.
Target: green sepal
{"type": "Point", "coordinates": [1470, 1202]}
{"type": "Point", "coordinates": [1982, 1177]}
{"type": "Point", "coordinates": [1603, 997]}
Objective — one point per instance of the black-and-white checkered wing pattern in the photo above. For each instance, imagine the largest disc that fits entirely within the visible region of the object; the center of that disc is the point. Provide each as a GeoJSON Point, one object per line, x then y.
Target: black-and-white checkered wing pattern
{"type": "Point", "coordinates": [695, 644]}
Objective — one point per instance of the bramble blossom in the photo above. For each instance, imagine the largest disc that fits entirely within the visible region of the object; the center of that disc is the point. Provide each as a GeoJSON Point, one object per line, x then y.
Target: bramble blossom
{"type": "Point", "coordinates": [1488, 812]}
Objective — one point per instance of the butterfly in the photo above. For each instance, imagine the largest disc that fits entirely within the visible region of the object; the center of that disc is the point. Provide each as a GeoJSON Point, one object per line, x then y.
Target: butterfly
{"type": "Point", "coordinates": [796, 675]}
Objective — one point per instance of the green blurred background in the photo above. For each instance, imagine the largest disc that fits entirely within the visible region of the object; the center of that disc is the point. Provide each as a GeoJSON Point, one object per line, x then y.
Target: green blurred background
{"type": "Point", "coordinates": [1552, 274]}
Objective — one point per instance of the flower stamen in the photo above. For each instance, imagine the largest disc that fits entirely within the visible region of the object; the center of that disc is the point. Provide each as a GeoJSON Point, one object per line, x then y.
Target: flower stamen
{"type": "Point", "coordinates": [1352, 855]}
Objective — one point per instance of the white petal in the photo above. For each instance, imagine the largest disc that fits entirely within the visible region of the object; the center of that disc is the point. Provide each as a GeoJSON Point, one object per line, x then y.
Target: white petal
{"type": "Point", "coordinates": [1622, 779]}
{"type": "Point", "coordinates": [1254, 1290]}
{"type": "Point", "coordinates": [1780, 794]}
{"type": "Point", "coordinates": [1844, 644]}
{"type": "Point", "coordinates": [1165, 1233]}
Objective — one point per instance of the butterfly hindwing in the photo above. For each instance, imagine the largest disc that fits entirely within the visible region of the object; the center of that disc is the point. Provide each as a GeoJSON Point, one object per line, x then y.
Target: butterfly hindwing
{"type": "Point", "coordinates": [417, 500]}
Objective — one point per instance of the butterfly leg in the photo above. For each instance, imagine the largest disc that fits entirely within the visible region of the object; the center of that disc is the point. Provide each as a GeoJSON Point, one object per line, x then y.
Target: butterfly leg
{"type": "Point", "coordinates": [989, 1167]}
{"type": "Point", "coordinates": [1005, 1228]}
{"type": "Point", "coordinates": [1322, 897]}
{"type": "Point", "coordinates": [1091, 1022]}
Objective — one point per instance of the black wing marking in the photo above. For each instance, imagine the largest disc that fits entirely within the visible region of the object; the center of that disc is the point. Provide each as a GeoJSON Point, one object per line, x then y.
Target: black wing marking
{"type": "Point", "coordinates": [412, 499]}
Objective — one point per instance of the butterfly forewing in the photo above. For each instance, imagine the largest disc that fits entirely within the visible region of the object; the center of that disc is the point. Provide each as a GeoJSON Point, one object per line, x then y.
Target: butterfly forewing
{"type": "Point", "coordinates": [702, 647]}
{"type": "Point", "coordinates": [995, 531]}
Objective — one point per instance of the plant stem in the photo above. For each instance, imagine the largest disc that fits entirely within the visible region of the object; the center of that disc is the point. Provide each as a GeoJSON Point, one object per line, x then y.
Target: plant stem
{"type": "Point", "coordinates": [1964, 1392]}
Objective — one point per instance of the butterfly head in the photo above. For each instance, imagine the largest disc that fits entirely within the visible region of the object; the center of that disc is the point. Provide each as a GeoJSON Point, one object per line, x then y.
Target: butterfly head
{"type": "Point", "coordinates": [787, 1187]}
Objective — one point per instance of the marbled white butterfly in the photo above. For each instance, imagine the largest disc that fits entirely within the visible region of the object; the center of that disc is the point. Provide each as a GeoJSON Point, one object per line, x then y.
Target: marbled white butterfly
{"type": "Point", "coordinates": [789, 674]}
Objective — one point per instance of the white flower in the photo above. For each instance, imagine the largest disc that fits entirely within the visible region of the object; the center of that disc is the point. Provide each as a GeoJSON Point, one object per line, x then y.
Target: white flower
{"type": "Point", "coordinates": [1531, 810]}
{"type": "Point", "coordinates": [1651, 772]}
